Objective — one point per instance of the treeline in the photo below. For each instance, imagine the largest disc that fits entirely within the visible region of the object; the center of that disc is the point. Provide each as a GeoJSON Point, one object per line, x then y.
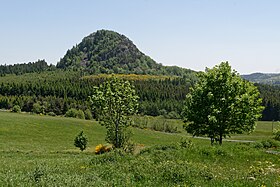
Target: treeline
{"type": "Point", "coordinates": [58, 91]}
{"type": "Point", "coordinates": [271, 101]}
{"type": "Point", "coordinates": [31, 67]}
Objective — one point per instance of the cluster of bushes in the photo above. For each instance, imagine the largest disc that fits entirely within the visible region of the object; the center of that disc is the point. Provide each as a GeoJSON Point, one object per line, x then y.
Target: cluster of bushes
{"type": "Point", "coordinates": [155, 123]}
{"type": "Point", "coordinates": [266, 144]}
{"type": "Point", "coordinates": [72, 112]}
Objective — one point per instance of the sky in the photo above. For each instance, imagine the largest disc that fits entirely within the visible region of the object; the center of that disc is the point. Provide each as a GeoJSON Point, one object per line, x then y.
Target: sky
{"type": "Point", "coordinates": [194, 34]}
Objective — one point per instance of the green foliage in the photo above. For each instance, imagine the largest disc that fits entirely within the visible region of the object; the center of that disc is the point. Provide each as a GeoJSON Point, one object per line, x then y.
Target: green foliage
{"type": "Point", "coordinates": [74, 113]}
{"type": "Point", "coordinates": [264, 78]}
{"type": "Point", "coordinates": [172, 115]}
{"type": "Point", "coordinates": [164, 126]}
{"type": "Point", "coordinates": [221, 104]}
{"type": "Point", "coordinates": [81, 141]}
{"type": "Point", "coordinates": [270, 143]}
{"type": "Point", "coordinates": [18, 69]}
{"type": "Point", "coordinates": [51, 114]}
{"type": "Point", "coordinates": [110, 52]}
{"type": "Point", "coordinates": [276, 133]}
{"type": "Point", "coordinates": [16, 109]}
{"type": "Point", "coordinates": [114, 101]}
{"type": "Point", "coordinates": [37, 108]}
{"type": "Point", "coordinates": [88, 114]}
{"type": "Point", "coordinates": [157, 124]}
{"type": "Point", "coordinates": [58, 91]}
{"type": "Point", "coordinates": [186, 143]}
{"type": "Point", "coordinates": [80, 114]}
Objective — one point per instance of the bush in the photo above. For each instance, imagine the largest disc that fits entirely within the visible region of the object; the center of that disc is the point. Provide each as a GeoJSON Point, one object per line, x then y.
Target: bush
{"type": "Point", "coordinates": [140, 122]}
{"type": "Point", "coordinates": [270, 144]}
{"type": "Point", "coordinates": [276, 134]}
{"type": "Point", "coordinates": [37, 108]}
{"type": "Point", "coordinates": [81, 141]}
{"type": "Point", "coordinates": [164, 126]}
{"type": "Point", "coordinates": [88, 114]}
{"type": "Point", "coordinates": [80, 114]}
{"type": "Point", "coordinates": [100, 149]}
{"type": "Point", "coordinates": [172, 115]}
{"type": "Point", "coordinates": [16, 109]}
{"type": "Point", "coordinates": [51, 114]}
{"type": "Point", "coordinates": [72, 113]}
{"type": "Point", "coordinates": [185, 143]}
{"type": "Point", "coordinates": [257, 145]}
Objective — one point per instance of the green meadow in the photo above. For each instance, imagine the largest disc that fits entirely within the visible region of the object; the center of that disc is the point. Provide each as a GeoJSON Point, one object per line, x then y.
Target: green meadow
{"type": "Point", "coordinates": [38, 151]}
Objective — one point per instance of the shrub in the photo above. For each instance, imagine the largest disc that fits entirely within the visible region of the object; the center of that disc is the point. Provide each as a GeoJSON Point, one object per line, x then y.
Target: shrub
{"type": "Point", "coordinates": [51, 114]}
{"type": "Point", "coordinates": [81, 141]}
{"type": "Point", "coordinates": [16, 109]}
{"type": "Point", "coordinates": [129, 147]}
{"type": "Point", "coordinates": [257, 145]}
{"type": "Point", "coordinates": [72, 113]}
{"type": "Point", "coordinates": [99, 149]}
{"type": "Point", "coordinates": [140, 122]}
{"type": "Point", "coordinates": [172, 115]}
{"type": "Point", "coordinates": [270, 143]}
{"type": "Point", "coordinates": [164, 126]}
{"type": "Point", "coordinates": [37, 108]}
{"type": "Point", "coordinates": [186, 143]}
{"type": "Point", "coordinates": [276, 134]}
{"type": "Point", "coordinates": [88, 114]}
{"type": "Point", "coordinates": [80, 114]}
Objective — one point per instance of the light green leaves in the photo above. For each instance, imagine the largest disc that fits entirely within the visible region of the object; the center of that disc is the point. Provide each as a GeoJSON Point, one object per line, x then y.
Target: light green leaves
{"type": "Point", "coordinates": [221, 103]}
{"type": "Point", "coordinates": [113, 102]}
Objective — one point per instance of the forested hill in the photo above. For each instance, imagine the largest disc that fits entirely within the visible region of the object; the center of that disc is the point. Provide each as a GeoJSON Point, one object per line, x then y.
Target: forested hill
{"type": "Point", "coordinates": [264, 78]}
{"type": "Point", "coordinates": [31, 67]}
{"type": "Point", "coordinates": [110, 52]}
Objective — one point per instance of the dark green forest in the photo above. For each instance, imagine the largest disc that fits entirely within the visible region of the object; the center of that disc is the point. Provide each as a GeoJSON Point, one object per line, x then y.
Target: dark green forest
{"type": "Point", "coordinates": [47, 89]}
{"type": "Point", "coordinates": [56, 91]}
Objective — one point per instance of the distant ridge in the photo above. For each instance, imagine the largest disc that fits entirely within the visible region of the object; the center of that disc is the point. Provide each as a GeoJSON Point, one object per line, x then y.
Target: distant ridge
{"type": "Point", "coordinates": [110, 52]}
{"type": "Point", "coordinates": [263, 78]}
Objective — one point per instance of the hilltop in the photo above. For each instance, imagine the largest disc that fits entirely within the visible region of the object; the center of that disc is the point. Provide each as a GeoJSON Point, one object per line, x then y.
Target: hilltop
{"type": "Point", "coordinates": [110, 52]}
{"type": "Point", "coordinates": [263, 78]}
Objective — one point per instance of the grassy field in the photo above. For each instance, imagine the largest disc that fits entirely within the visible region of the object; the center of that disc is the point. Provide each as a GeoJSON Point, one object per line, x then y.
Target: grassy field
{"type": "Point", "coordinates": [38, 151]}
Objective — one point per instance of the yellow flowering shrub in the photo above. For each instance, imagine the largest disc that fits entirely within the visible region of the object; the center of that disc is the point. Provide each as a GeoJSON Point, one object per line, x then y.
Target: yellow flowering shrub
{"type": "Point", "coordinates": [99, 149]}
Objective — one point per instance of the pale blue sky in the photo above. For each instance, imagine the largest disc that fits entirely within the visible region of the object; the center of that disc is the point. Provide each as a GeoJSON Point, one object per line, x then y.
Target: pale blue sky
{"type": "Point", "coordinates": [189, 33]}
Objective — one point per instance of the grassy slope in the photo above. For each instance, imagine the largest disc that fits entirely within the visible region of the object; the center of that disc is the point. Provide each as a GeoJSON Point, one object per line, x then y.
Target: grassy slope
{"type": "Point", "coordinates": [38, 150]}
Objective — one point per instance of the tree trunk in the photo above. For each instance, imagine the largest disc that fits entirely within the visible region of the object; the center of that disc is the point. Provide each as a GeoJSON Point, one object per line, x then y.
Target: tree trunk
{"type": "Point", "coordinates": [212, 141]}
{"type": "Point", "coordinates": [220, 140]}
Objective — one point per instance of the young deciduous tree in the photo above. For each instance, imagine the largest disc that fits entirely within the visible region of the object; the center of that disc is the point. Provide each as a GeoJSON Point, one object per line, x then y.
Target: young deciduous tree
{"type": "Point", "coordinates": [81, 141]}
{"type": "Point", "coordinates": [113, 102]}
{"type": "Point", "coordinates": [221, 104]}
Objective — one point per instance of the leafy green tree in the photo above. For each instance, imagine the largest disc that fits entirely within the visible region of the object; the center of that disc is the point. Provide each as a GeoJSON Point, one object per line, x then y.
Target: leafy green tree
{"type": "Point", "coordinates": [114, 101]}
{"type": "Point", "coordinates": [221, 104]}
{"type": "Point", "coordinates": [81, 141]}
